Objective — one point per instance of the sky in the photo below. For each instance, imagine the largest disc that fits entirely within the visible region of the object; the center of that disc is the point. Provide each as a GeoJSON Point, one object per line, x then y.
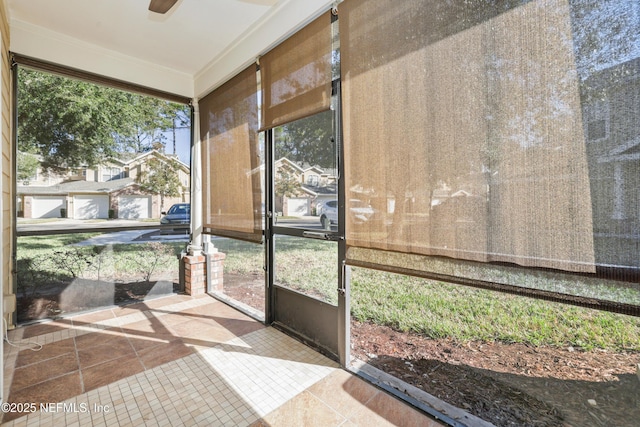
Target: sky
{"type": "Point", "coordinates": [183, 144]}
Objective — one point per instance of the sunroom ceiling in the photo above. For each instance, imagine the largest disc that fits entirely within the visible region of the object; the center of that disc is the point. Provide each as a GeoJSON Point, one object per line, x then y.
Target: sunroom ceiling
{"type": "Point", "coordinates": [196, 39]}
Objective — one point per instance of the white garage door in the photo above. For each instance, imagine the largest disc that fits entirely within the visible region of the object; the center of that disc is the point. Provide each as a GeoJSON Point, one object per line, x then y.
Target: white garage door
{"type": "Point", "coordinates": [298, 206]}
{"type": "Point", "coordinates": [90, 207]}
{"type": "Point", "coordinates": [134, 207]}
{"type": "Point", "coordinates": [47, 206]}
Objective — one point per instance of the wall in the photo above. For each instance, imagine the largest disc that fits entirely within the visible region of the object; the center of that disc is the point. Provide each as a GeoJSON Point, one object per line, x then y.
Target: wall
{"type": "Point", "coordinates": [7, 156]}
{"type": "Point", "coordinates": [47, 45]}
{"type": "Point", "coordinates": [7, 200]}
{"type": "Point", "coordinates": [286, 20]}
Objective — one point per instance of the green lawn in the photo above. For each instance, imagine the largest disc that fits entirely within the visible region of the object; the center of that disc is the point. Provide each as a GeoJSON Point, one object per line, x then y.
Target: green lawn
{"type": "Point", "coordinates": [436, 309]}
{"type": "Point", "coordinates": [308, 266]}
{"type": "Point", "coordinates": [442, 310]}
{"type": "Point", "coordinates": [405, 303]}
{"type": "Point", "coordinates": [53, 259]}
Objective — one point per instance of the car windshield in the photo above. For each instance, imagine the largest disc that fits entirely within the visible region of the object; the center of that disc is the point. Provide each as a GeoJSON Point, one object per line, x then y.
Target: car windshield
{"type": "Point", "coordinates": [179, 209]}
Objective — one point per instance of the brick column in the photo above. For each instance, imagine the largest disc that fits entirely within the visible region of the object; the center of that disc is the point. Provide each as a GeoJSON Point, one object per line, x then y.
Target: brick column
{"type": "Point", "coordinates": [195, 273]}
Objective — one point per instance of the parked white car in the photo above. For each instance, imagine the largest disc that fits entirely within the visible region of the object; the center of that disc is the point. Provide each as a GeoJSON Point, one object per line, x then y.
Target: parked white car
{"type": "Point", "coordinates": [329, 215]}
{"type": "Point", "coordinates": [358, 210]}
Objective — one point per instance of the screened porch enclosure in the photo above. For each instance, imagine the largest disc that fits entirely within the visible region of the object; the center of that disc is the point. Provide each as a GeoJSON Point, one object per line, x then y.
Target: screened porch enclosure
{"type": "Point", "coordinates": [483, 145]}
{"type": "Point", "coordinates": [491, 145]}
{"type": "Point", "coordinates": [443, 197]}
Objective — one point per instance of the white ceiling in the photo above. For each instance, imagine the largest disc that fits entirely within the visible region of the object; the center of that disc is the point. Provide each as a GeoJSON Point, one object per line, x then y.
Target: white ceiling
{"type": "Point", "coordinates": [190, 41]}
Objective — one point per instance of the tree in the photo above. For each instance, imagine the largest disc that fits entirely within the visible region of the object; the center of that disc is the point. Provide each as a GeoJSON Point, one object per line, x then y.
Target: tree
{"type": "Point", "coordinates": [308, 141]}
{"type": "Point", "coordinates": [286, 184]}
{"type": "Point", "coordinates": [27, 166]}
{"type": "Point", "coordinates": [181, 120]}
{"type": "Point", "coordinates": [66, 121]}
{"type": "Point", "coordinates": [160, 177]}
{"type": "Point", "coordinates": [146, 121]}
{"type": "Point", "coordinates": [72, 123]}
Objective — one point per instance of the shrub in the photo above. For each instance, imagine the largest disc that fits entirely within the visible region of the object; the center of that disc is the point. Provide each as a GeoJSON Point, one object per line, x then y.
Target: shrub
{"type": "Point", "coordinates": [73, 260]}
{"type": "Point", "coordinates": [30, 273]}
{"type": "Point", "coordinates": [152, 256]}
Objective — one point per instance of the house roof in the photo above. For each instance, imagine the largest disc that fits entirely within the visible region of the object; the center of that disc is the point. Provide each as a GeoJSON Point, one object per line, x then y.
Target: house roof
{"type": "Point", "coordinates": [88, 187]}
{"type": "Point", "coordinates": [139, 157]}
{"type": "Point", "coordinates": [292, 164]}
{"type": "Point", "coordinates": [325, 190]}
{"type": "Point", "coordinates": [306, 167]}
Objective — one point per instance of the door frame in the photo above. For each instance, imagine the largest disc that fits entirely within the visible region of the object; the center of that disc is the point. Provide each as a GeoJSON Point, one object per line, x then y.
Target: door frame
{"type": "Point", "coordinates": [319, 324]}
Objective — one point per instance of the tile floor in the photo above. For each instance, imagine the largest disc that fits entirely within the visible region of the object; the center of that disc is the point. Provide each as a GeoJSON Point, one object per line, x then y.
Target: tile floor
{"type": "Point", "coordinates": [183, 360]}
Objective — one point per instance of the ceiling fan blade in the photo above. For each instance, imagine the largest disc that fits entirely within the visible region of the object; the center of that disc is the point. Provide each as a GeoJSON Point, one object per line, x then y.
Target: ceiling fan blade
{"type": "Point", "coordinates": [161, 6]}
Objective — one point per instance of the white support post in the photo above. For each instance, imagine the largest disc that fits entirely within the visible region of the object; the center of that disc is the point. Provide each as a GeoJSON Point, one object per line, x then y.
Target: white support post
{"type": "Point", "coordinates": [195, 246]}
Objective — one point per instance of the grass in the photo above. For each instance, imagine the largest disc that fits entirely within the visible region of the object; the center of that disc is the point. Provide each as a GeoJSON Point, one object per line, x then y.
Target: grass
{"type": "Point", "coordinates": [241, 257]}
{"type": "Point", "coordinates": [53, 259]}
{"type": "Point", "coordinates": [308, 266]}
{"type": "Point", "coordinates": [433, 309]}
{"type": "Point", "coordinates": [41, 245]}
{"type": "Point", "coordinates": [441, 310]}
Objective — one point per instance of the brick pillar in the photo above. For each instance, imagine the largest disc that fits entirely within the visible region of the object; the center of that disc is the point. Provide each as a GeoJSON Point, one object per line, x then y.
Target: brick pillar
{"type": "Point", "coordinates": [195, 273]}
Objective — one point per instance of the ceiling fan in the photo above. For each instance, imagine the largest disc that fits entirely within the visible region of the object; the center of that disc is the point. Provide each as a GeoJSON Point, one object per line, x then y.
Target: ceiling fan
{"type": "Point", "coordinates": [161, 6]}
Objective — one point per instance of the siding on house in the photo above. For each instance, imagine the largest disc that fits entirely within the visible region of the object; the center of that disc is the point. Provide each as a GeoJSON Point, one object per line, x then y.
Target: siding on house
{"type": "Point", "coordinates": [6, 168]}
{"type": "Point", "coordinates": [7, 157]}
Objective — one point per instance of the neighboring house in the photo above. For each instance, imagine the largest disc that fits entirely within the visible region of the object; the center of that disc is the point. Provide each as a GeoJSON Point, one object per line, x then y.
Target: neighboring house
{"type": "Point", "coordinates": [106, 191]}
{"type": "Point", "coordinates": [317, 186]}
{"type": "Point", "coordinates": [611, 108]}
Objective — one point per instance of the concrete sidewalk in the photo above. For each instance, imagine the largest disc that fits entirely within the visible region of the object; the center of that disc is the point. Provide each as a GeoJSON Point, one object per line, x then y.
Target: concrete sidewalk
{"type": "Point", "coordinates": [118, 237]}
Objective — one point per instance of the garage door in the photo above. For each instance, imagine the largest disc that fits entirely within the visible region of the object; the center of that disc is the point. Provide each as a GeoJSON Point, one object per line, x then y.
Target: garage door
{"type": "Point", "coordinates": [134, 207]}
{"type": "Point", "coordinates": [298, 206]}
{"type": "Point", "coordinates": [90, 207]}
{"type": "Point", "coordinates": [47, 206]}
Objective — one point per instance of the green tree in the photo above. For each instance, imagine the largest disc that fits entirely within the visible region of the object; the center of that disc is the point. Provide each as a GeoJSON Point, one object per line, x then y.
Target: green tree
{"type": "Point", "coordinates": [27, 166]}
{"type": "Point", "coordinates": [160, 177]}
{"type": "Point", "coordinates": [72, 123]}
{"type": "Point", "coordinates": [146, 119]}
{"type": "Point", "coordinates": [309, 140]}
{"type": "Point", "coordinates": [286, 185]}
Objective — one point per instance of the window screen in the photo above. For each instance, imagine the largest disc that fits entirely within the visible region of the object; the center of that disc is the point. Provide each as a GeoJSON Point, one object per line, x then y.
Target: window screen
{"type": "Point", "coordinates": [230, 157]}
{"type": "Point", "coordinates": [464, 133]}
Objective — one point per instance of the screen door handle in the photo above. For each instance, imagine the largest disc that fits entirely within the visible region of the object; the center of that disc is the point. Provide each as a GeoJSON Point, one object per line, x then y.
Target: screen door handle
{"type": "Point", "coordinates": [322, 236]}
